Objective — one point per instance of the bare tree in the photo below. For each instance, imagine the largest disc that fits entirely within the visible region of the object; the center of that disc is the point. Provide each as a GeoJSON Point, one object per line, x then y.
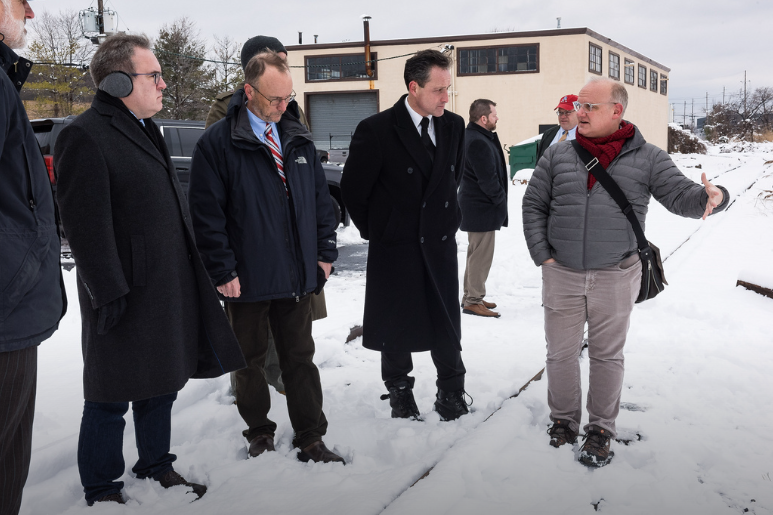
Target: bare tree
{"type": "Point", "coordinates": [62, 54]}
{"type": "Point", "coordinates": [228, 71]}
{"type": "Point", "coordinates": [741, 119]}
{"type": "Point", "coordinates": [189, 81]}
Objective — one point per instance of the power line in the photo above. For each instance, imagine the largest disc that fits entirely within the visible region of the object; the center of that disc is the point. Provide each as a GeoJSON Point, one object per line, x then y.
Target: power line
{"type": "Point", "coordinates": [158, 50]}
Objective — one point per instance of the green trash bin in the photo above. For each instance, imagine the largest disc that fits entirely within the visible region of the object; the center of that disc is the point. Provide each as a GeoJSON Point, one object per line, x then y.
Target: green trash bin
{"type": "Point", "coordinates": [522, 156]}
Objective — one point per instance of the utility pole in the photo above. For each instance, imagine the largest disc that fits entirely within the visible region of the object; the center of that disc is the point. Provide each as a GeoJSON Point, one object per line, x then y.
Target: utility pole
{"type": "Point", "coordinates": [692, 116]}
{"type": "Point", "coordinates": [684, 114]}
{"type": "Point", "coordinates": [100, 17]}
{"type": "Point", "coordinates": [723, 95]}
{"type": "Point", "coordinates": [707, 102]}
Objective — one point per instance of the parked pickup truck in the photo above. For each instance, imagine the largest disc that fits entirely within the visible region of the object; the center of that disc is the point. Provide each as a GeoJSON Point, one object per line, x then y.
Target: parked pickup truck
{"type": "Point", "coordinates": [180, 137]}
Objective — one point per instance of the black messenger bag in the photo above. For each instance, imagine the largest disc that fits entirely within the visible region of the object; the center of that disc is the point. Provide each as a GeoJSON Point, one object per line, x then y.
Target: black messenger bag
{"type": "Point", "coordinates": [653, 278]}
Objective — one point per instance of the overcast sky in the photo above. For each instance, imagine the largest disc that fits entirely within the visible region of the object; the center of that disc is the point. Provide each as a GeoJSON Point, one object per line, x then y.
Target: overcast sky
{"type": "Point", "coordinates": [707, 44]}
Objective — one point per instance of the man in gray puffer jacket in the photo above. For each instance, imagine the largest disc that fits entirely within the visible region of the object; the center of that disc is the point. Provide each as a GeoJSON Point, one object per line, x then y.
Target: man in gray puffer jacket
{"type": "Point", "coordinates": [587, 249]}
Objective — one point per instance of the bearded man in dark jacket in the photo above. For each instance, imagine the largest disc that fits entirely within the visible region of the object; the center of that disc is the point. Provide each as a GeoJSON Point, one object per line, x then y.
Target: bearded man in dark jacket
{"type": "Point", "coordinates": [151, 317]}
{"type": "Point", "coordinates": [399, 184]}
{"type": "Point", "coordinates": [32, 297]}
{"type": "Point", "coordinates": [265, 228]}
{"type": "Point", "coordinates": [483, 200]}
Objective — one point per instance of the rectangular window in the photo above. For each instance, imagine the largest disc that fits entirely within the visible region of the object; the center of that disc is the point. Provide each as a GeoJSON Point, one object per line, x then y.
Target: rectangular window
{"type": "Point", "coordinates": [339, 67]}
{"type": "Point", "coordinates": [614, 66]}
{"type": "Point", "coordinates": [594, 59]}
{"type": "Point", "coordinates": [663, 84]}
{"type": "Point", "coordinates": [498, 60]}
{"type": "Point", "coordinates": [654, 81]}
{"type": "Point", "coordinates": [642, 76]}
{"type": "Point", "coordinates": [629, 71]}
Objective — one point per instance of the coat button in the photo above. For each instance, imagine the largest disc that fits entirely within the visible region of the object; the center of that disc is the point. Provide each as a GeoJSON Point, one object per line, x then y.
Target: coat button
{"type": "Point", "coordinates": [422, 239]}
{"type": "Point", "coordinates": [444, 238]}
{"type": "Point", "coordinates": [410, 170]}
{"type": "Point", "coordinates": [27, 65]}
{"type": "Point", "coordinates": [446, 204]}
{"type": "Point", "coordinates": [452, 168]}
{"type": "Point", "coordinates": [423, 204]}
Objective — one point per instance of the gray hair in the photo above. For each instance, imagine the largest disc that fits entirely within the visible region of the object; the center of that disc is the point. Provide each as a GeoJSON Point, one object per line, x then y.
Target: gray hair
{"type": "Point", "coordinates": [256, 66]}
{"type": "Point", "coordinates": [115, 55]}
{"type": "Point", "coordinates": [618, 94]}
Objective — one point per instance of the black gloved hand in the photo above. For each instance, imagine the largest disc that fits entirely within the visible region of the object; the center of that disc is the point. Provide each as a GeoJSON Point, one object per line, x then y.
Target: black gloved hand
{"type": "Point", "coordinates": [321, 279]}
{"type": "Point", "coordinates": [110, 314]}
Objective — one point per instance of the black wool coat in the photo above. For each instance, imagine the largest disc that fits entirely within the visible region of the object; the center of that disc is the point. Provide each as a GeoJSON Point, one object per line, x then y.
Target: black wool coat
{"type": "Point", "coordinates": [128, 225]}
{"type": "Point", "coordinates": [406, 206]}
{"type": "Point", "coordinates": [483, 192]}
{"type": "Point", "coordinates": [547, 138]}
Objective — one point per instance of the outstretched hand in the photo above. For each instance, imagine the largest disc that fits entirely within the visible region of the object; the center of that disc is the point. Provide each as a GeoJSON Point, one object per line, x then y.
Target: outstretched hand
{"type": "Point", "coordinates": [715, 196]}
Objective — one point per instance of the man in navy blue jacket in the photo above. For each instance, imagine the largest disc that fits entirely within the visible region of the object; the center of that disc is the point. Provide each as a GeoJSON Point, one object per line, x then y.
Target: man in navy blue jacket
{"type": "Point", "coordinates": [32, 300]}
{"type": "Point", "coordinates": [265, 228]}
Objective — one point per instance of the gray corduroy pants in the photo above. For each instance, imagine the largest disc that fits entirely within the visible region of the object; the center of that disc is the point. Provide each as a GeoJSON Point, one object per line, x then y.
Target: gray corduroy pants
{"type": "Point", "coordinates": [604, 298]}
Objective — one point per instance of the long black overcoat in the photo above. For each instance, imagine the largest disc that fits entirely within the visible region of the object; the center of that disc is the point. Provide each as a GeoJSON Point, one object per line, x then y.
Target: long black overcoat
{"type": "Point", "coordinates": [406, 206]}
{"type": "Point", "coordinates": [483, 192]}
{"type": "Point", "coordinates": [127, 222]}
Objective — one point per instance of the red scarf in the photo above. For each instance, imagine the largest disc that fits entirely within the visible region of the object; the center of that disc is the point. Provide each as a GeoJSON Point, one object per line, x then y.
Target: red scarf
{"type": "Point", "coordinates": [606, 148]}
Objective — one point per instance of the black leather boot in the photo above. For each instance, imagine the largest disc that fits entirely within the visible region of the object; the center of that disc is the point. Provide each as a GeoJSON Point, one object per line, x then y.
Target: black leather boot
{"type": "Point", "coordinates": [451, 405]}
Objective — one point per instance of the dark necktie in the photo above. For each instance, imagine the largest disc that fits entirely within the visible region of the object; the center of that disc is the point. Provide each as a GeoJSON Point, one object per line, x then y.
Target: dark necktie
{"type": "Point", "coordinates": [425, 139]}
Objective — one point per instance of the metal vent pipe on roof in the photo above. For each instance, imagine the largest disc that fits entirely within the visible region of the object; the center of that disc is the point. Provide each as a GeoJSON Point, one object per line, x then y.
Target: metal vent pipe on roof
{"type": "Point", "coordinates": [366, 27]}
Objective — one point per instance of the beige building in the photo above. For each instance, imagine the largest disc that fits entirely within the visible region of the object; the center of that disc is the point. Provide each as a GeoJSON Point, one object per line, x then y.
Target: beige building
{"type": "Point", "coordinates": [525, 73]}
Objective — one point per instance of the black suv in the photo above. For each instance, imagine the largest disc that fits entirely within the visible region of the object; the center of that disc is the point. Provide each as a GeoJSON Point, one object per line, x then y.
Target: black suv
{"type": "Point", "coordinates": [180, 137]}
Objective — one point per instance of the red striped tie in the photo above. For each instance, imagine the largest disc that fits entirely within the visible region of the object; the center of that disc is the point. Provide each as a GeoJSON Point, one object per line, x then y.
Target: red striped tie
{"type": "Point", "coordinates": [277, 156]}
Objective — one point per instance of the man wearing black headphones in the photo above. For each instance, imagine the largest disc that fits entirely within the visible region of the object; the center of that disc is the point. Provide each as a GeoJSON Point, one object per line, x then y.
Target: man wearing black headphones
{"type": "Point", "coordinates": [150, 315]}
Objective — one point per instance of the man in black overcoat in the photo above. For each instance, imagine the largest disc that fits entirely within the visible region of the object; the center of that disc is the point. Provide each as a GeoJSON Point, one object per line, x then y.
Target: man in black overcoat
{"type": "Point", "coordinates": [399, 185]}
{"type": "Point", "coordinates": [150, 314]}
{"type": "Point", "coordinates": [483, 200]}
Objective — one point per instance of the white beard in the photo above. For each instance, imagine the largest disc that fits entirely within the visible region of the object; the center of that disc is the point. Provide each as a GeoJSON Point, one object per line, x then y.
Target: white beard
{"type": "Point", "coordinates": [15, 32]}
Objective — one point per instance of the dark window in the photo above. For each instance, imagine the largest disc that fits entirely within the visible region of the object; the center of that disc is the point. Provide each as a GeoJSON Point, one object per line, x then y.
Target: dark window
{"type": "Point", "coordinates": [188, 138]}
{"type": "Point", "coordinates": [663, 84]}
{"type": "Point", "coordinates": [339, 67]}
{"type": "Point", "coordinates": [653, 81]}
{"type": "Point", "coordinates": [509, 59]}
{"type": "Point", "coordinates": [642, 76]}
{"type": "Point", "coordinates": [614, 66]}
{"type": "Point", "coordinates": [594, 59]}
{"type": "Point", "coordinates": [172, 140]}
{"type": "Point", "coordinates": [629, 71]}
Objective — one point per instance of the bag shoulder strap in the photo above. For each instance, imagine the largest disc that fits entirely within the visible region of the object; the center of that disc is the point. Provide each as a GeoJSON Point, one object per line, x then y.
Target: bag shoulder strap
{"type": "Point", "coordinates": [594, 167]}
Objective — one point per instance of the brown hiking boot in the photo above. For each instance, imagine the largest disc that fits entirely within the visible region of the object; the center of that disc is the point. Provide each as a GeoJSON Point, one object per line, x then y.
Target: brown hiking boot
{"type": "Point", "coordinates": [261, 444]}
{"type": "Point", "coordinates": [172, 478]}
{"type": "Point", "coordinates": [115, 497]}
{"type": "Point", "coordinates": [595, 451]}
{"type": "Point", "coordinates": [479, 310]}
{"type": "Point", "coordinates": [560, 433]}
{"type": "Point", "coordinates": [318, 452]}
{"type": "Point", "coordinates": [490, 305]}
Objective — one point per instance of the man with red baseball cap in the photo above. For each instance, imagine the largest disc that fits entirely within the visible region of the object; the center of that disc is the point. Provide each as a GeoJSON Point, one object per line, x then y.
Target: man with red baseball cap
{"type": "Point", "coordinates": [566, 128]}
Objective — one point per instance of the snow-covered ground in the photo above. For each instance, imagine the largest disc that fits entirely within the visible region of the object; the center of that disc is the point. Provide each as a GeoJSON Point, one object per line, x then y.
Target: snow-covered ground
{"type": "Point", "coordinates": [697, 391]}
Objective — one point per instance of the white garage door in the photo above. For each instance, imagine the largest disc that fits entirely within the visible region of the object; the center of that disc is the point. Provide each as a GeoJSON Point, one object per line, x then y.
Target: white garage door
{"type": "Point", "coordinates": [334, 116]}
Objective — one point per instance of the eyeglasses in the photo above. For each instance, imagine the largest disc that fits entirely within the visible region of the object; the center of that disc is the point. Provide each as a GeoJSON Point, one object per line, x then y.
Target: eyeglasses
{"type": "Point", "coordinates": [563, 112]}
{"type": "Point", "coordinates": [588, 107]}
{"type": "Point", "coordinates": [275, 101]}
{"type": "Point", "coordinates": [156, 76]}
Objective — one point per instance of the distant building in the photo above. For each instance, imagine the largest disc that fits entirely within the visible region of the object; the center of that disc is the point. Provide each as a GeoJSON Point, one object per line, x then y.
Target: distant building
{"type": "Point", "coordinates": [525, 73]}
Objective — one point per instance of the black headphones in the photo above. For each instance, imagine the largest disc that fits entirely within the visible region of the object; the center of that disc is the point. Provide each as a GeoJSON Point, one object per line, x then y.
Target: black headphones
{"type": "Point", "coordinates": [118, 84]}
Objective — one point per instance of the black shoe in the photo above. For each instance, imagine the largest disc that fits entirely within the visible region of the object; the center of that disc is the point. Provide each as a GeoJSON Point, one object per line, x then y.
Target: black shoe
{"type": "Point", "coordinates": [560, 433]}
{"type": "Point", "coordinates": [114, 497]}
{"type": "Point", "coordinates": [402, 402]}
{"type": "Point", "coordinates": [451, 405]}
{"type": "Point", "coordinates": [595, 451]}
{"type": "Point", "coordinates": [172, 478]}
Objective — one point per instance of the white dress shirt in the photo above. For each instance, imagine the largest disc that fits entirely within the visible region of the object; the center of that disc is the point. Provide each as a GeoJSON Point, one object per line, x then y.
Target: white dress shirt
{"type": "Point", "coordinates": [416, 117]}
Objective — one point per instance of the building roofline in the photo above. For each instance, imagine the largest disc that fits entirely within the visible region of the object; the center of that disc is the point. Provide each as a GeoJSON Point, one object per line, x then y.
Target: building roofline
{"type": "Point", "coordinates": [482, 37]}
